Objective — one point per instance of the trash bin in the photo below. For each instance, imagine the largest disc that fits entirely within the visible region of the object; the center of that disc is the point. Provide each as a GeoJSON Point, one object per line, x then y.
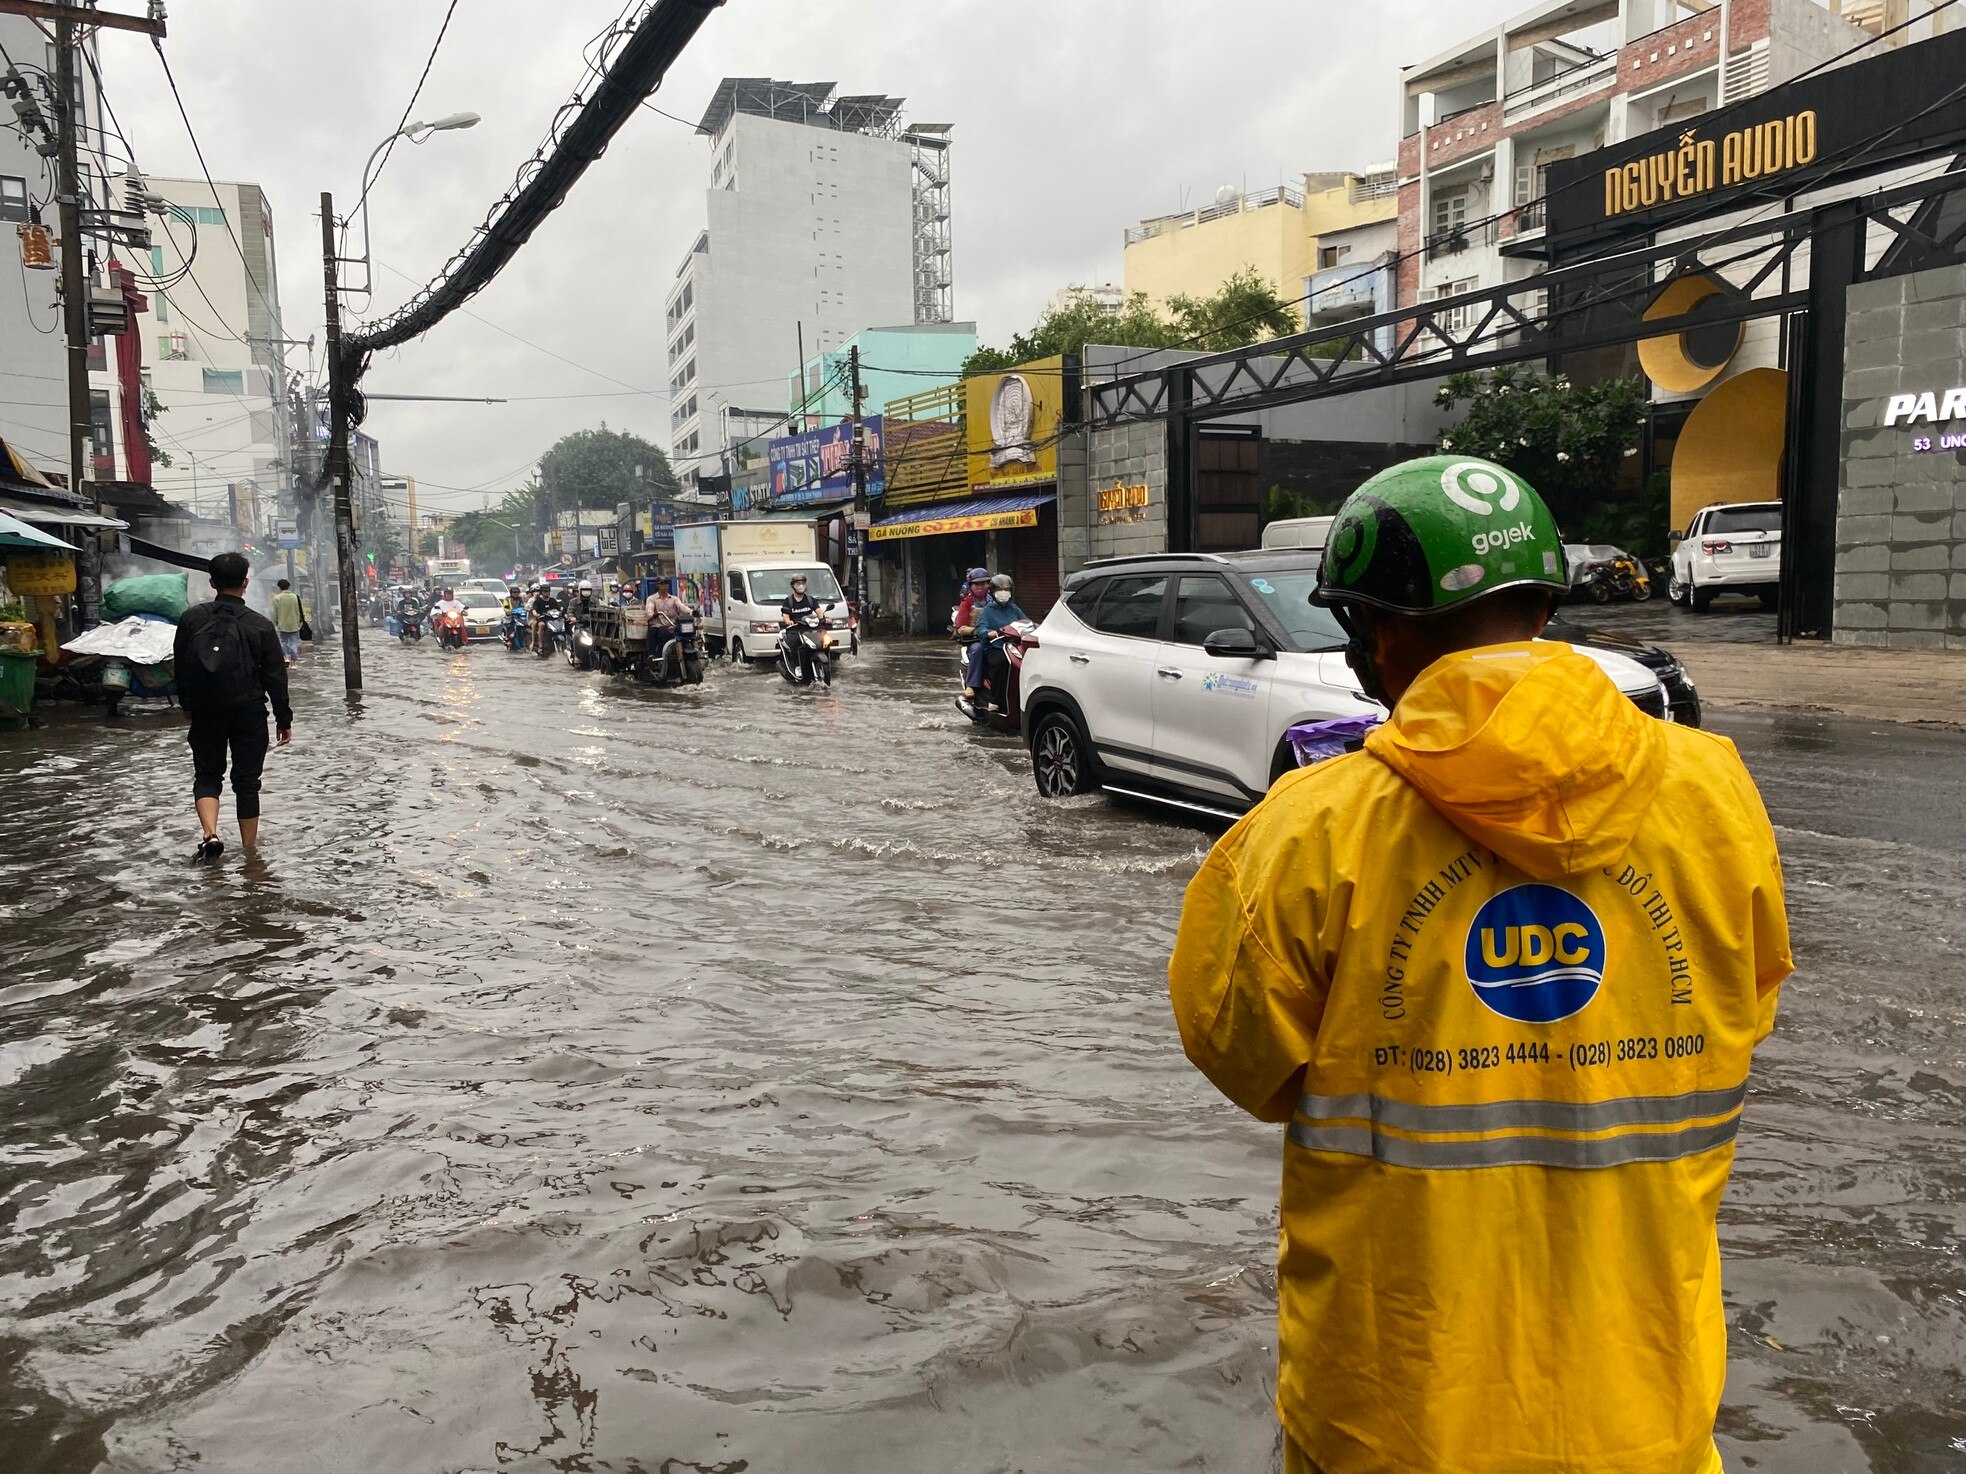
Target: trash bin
{"type": "Point", "coordinates": [16, 688]}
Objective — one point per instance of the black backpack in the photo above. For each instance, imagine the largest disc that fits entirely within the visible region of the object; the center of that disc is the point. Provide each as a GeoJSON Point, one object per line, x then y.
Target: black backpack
{"type": "Point", "coordinates": [226, 658]}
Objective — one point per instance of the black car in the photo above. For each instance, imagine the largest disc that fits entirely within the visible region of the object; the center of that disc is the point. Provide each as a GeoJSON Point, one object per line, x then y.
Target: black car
{"type": "Point", "coordinates": [1680, 693]}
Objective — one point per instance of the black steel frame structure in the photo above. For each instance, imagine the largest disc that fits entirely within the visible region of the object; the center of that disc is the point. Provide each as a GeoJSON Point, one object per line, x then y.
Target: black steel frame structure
{"type": "Point", "coordinates": [1599, 303]}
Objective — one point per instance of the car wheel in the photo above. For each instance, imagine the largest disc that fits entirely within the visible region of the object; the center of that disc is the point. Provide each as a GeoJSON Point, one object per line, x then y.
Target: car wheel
{"type": "Point", "coordinates": [1675, 590]}
{"type": "Point", "coordinates": [1061, 758]}
{"type": "Point", "coordinates": [1284, 762]}
{"type": "Point", "coordinates": [737, 653]}
{"type": "Point", "coordinates": [1702, 599]}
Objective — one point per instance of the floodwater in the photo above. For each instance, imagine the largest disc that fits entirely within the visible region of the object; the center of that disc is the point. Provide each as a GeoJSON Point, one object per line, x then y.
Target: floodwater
{"type": "Point", "coordinates": [589, 1078]}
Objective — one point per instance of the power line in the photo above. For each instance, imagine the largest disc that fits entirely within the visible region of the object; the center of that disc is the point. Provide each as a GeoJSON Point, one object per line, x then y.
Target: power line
{"type": "Point", "coordinates": [273, 313]}
{"type": "Point", "coordinates": [1706, 120]}
{"type": "Point", "coordinates": [390, 147]}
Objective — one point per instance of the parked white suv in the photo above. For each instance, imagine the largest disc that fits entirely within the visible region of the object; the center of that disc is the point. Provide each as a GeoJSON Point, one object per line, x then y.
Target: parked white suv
{"type": "Point", "coordinates": [1732, 548]}
{"type": "Point", "coordinates": [1174, 678]}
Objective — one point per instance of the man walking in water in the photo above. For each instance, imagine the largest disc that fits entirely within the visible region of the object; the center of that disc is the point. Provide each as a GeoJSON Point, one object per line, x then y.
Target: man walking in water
{"type": "Point", "coordinates": [1503, 973]}
{"type": "Point", "coordinates": [229, 666]}
{"type": "Point", "coordinates": [287, 620]}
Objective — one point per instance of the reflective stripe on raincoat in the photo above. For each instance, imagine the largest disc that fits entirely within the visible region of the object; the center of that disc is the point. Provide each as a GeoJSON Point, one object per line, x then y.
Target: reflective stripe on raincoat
{"type": "Point", "coordinates": [1502, 973]}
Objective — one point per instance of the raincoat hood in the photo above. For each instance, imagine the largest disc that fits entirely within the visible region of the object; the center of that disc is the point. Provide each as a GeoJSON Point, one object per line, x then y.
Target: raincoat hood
{"type": "Point", "coordinates": [1530, 750]}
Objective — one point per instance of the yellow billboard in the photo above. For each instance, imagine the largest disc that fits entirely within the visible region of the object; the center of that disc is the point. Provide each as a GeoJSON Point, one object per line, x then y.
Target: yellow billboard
{"type": "Point", "coordinates": [1013, 420]}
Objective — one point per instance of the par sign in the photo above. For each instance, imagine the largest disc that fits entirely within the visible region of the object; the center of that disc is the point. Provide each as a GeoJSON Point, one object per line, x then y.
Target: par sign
{"type": "Point", "coordinates": [1930, 407]}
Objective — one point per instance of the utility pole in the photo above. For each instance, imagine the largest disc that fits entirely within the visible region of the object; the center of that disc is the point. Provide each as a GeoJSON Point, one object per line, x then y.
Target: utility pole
{"type": "Point", "coordinates": [860, 513]}
{"type": "Point", "coordinates": [75, 303]}
{"type": "Point", "coordinates": [338, 409]}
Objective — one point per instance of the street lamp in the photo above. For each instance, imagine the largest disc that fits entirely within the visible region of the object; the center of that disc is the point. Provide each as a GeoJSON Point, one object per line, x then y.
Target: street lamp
{"type": "Point", "coordinates": [449, 123]}
{"type": "Point", "coordinates": [511, 527]}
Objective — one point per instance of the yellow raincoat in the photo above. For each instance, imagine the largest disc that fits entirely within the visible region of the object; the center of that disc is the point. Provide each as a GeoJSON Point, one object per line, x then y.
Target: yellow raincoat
{"type": "Point", "coordinates": [1502, 973]}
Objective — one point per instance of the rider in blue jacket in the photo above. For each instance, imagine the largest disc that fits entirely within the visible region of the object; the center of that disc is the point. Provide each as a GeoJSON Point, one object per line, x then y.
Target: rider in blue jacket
{"type": "Point", "coordinates": [1000, 612]}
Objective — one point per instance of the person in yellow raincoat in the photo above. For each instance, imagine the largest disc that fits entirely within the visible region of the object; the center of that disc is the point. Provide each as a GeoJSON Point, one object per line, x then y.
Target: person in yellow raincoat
{"type": "Point", "coordinates": [1502, 973]}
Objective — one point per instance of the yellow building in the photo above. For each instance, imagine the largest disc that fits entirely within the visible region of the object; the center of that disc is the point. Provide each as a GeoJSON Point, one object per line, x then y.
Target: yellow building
{"type": "Point", "coordinates": [1274, 231]}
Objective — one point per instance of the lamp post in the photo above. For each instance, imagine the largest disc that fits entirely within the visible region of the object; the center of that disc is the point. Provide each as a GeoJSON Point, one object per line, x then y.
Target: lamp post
{"type": "Point", "coordinates": [511, 527]}
{"type": "Point", "coordinates": [446, 124]}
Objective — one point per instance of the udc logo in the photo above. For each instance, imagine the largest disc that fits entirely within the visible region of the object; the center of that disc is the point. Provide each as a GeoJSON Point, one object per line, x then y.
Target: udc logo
{"type": "Point", "coordinates": [1536, 954]}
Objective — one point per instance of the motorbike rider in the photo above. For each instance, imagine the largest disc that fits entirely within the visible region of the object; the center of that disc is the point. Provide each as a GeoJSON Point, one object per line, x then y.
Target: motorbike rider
{"type": "Point", "coordinates": [987, 661]}
{"type": "Point", "coordinates": [976, 593]}
{"type": "Point", "coordinates": [797, 604]}
{"type": "Point", "coordinates": [582, 602]}
{"type": "Point", "coordinates": [447, 603]}
{"type": "Point", "coordinates": [664, 609]}
{"type": "Point", "coordinates": [1494, 1227]}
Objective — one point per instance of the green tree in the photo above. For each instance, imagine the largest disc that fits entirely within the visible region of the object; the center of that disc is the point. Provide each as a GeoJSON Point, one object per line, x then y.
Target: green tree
{"type": "Point", "coordinates": [1244, 309]}
{"type": "Point", "coordinates": [1567, 440]}
{"type": "Point", "coordinates": [487, 537]}
{"type": "Point", "coordinates": [602, 468]}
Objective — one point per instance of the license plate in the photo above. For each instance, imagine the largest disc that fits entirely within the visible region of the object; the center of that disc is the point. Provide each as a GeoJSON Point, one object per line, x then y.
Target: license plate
{"type": "Point", "coordinates": [1761, 550]}
{"type": "Point", "coordinates": [685, 629]}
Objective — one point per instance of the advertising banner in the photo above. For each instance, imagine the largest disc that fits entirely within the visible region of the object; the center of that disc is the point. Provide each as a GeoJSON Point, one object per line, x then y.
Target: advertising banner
{"type": "Point", "coordinates": [696, 549]}
{"type": "Point", "coordinates": [1857, 119]}
{"type": "Point", "coordinates": [817, 465]}
{"type": "Point", "coordinates": [1013, 425]}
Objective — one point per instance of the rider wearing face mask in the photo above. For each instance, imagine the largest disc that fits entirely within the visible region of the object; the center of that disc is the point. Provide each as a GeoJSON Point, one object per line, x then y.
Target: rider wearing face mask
{"type": "Point", "coordinates": [994, 617]}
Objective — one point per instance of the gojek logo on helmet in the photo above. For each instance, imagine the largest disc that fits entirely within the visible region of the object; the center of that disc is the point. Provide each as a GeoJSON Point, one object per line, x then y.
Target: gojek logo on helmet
{"type": "Point", "coordinates": [1478, 487]}
{"type": "Point", "coordinates": [1535, 954]}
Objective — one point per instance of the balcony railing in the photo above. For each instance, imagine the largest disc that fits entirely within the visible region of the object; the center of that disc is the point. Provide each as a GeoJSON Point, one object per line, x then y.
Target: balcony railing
{"type": "Point", "coordinates": [1577, 80]}
{"type": "Point", "coordinates": [1241, 205]}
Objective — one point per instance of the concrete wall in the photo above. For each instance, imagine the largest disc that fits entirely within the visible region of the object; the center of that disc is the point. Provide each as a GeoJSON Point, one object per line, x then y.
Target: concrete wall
{"type": "Point", "coordinates": [1901, 513]}
{"type": "Point", "coordinates": [1193, 259]}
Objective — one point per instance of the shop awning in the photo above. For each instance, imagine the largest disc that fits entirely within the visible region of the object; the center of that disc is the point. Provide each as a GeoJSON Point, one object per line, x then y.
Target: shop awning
{"type": "Point", "coordinates": [986, 514]}
{"type": "Point", "coordinates": [19, 536]}
{"type": "Point", "coordinates": [158, 553]}
{"type": "Point", "coordinates": [51, 516]}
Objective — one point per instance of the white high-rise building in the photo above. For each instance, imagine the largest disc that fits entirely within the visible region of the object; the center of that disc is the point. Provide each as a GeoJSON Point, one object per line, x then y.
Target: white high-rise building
{"type": "Point", "coordinates": [825, 216]}
{"type": "Point", "coordinates": [213, 352]}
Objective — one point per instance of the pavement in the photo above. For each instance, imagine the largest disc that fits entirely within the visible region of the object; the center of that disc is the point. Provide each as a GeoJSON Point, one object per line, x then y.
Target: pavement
{"type": "Point", "coordinates": [1734, 659]}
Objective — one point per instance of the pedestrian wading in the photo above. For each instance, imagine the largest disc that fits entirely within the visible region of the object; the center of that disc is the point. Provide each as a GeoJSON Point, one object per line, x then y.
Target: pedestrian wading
{"type": "Point", "coordinates": [1507, 1010]}
{"type": "Point", "coordinates": [229, 666]}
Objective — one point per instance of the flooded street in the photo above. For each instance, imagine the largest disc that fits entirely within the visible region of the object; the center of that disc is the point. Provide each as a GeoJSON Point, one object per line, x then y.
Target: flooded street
{"type": "Point", "coordinates": [589, 1078]}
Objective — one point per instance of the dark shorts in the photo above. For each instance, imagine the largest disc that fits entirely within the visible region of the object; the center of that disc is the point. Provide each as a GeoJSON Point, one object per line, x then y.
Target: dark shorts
{"type": "Point", "coordinates": [242, 732]}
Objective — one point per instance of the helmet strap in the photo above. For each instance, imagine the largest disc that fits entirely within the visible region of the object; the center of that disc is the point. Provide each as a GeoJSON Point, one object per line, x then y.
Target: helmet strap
{"type": "Point", "coordinates": [1358, 653]}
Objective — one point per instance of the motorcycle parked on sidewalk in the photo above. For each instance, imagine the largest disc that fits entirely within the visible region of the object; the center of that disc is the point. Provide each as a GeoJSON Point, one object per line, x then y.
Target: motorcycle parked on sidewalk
{"type": "Point", "coordinates": [999, 701]}
{"type": "Point", "coordinates": [1617, 578]}
{"type": "Point", "coordinates": [803, 651]}
{"type": "Point", "coordinates": [679, 661]}
{"type": "Point", "coordinates": [450, 630]}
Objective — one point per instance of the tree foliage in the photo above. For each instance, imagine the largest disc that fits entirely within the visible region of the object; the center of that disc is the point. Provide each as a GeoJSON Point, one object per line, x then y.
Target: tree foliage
{"type": "Point", "coordinates": [1567, 440]}
{"type": "Point", "coordinates": [487, 537]}
{"type": "Point", "coordinates": [603, 468]}
{"type": "Point", "coordinates": [1245, 309]}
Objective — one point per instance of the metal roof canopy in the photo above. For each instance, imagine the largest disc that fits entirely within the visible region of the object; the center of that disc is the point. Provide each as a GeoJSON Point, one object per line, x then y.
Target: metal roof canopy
{"type": "Point", "coordinates": [53, 516]}
{"type": "Point", "coordinates": [1595, 304]}
{"type": "Point", "coordinates": [817, 104]}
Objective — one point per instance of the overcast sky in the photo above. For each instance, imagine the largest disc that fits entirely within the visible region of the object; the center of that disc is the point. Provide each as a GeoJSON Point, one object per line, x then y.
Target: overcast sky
{"type": "Point", "coordinates": [1073, 118]}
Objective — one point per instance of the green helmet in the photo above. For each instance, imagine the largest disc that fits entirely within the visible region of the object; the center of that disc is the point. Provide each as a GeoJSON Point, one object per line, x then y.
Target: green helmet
{"type": "Point", "coordinates": [1431, 534]}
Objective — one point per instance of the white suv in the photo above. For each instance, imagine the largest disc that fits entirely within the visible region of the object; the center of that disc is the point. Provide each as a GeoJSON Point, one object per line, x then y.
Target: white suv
{"type": "Point", "coordinates": [1175, 677]}
{"type": "Point", "coordinates": [1733, 548]}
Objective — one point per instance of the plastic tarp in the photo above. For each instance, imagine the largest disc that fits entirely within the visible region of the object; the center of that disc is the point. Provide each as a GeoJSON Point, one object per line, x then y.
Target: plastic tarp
{"type": "Point", "coordinates": [136, 639]}
{"type": "Point", "coordinates": [150, 593]}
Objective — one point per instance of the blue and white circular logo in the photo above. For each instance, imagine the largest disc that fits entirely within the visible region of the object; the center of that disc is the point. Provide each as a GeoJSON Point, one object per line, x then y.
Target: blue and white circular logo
{"type": "Point", "coordinates": [1536, 954]}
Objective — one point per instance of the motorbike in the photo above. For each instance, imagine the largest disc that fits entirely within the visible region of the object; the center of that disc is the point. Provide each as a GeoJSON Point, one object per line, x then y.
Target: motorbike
{"type": "Point", "coordinates": [803, 651]}
{"type": "Point", "coordinates": [411, 632]}
{"type": "Point", "coordinates": [1617, 578]}
{"type": "Point", "coordinates": [999, 703]}
{"type": "Point", "coordinates": [512, 634]}
{"type": "Point", "coordinates": [450, 629]}
{"type": "Point", "coordinates": [680, 660]}
{"type": "Point", "coordinates": [580, 646]}
{"type": "Point", "coordinates": [548, 632]}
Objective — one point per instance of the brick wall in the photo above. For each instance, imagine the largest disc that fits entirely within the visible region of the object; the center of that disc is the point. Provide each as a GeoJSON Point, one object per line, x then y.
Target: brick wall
{"type": "Point", "coordinates": [1127, 456]}
{"type": "Point", "coordinates": [1901, 513]}
{"type": "Point", "coordinates": [1687, 46]}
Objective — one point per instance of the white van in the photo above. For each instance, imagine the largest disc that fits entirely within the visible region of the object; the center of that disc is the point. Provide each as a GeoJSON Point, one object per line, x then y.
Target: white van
{"type": "Point", "coordinates": [1297, 532]}
{"type": "Point", "coordinates": [752, 594]}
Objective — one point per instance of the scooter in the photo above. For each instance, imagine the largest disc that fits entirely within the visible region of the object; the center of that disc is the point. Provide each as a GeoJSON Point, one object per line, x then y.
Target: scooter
{"type": "Point", "coordinates": [580, 647]}
{"type": "Point", "coordinates": [680, 661]}
{"type": "Point", "coordinates": [803, 657]}
{"type": "Point", "coordinates": [512, 634]}
{"type": "Point", "coordinates": [450, 629]}
{"type": "Point", "coordinates": [548, 633]}
{"type": "Point", "coordinates": [412, 630]}
{"type": "Point", "coordinates": [999, 703]}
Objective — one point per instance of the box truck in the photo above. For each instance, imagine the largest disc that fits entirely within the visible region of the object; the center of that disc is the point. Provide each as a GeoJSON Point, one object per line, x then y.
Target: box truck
{"type": "Point", "coordinates": [736, 574]}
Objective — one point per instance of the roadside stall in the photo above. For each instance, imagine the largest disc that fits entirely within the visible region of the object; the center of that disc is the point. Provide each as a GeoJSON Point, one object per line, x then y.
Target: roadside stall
{"type": "Point", "coordinates": [40, 568]}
